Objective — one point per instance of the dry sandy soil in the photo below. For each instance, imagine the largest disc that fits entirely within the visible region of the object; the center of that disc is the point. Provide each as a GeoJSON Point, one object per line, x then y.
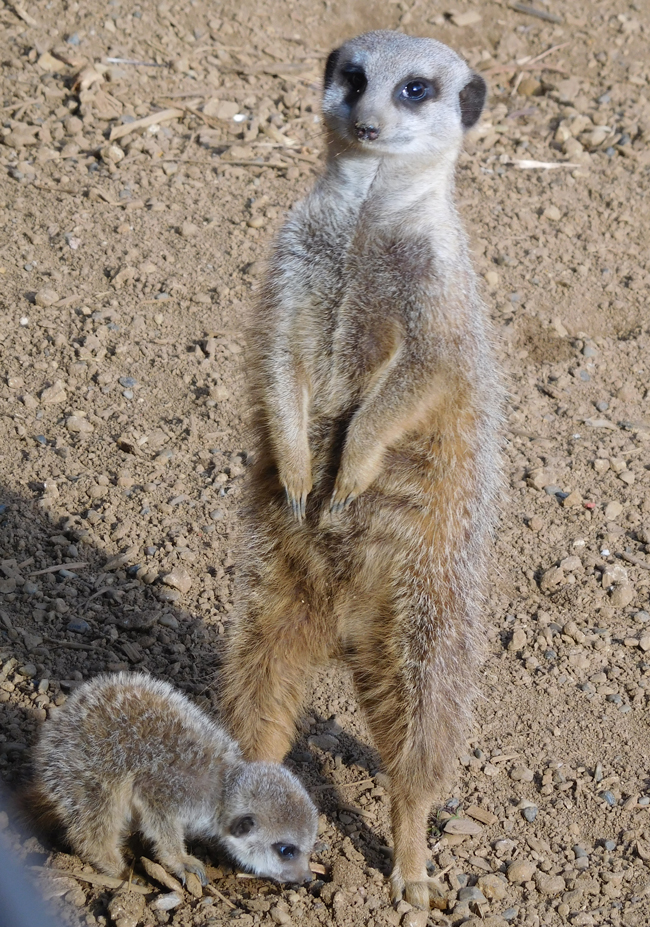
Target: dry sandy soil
{"type": "Point", "coordinates": [129, 257]}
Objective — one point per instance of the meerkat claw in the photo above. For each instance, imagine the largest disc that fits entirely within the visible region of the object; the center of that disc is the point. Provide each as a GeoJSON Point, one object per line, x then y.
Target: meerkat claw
{"type": "Point", "coordinates": [198, 871]}
{"type": "Point", "coordinates": [340, 504]}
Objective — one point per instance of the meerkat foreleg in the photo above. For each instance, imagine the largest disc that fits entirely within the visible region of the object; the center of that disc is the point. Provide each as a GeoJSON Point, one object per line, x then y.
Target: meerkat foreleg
{"type": "Point", "coordinates": [287, 402]}
{"type": "Point", "coordinates": [397, 403]}
{"type": "Point", "coordinates": [165, 833]}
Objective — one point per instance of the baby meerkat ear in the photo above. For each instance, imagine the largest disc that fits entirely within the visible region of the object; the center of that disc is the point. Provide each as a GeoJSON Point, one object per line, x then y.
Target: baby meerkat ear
{"type": "Point", "coordinates": [472, 98]}
{"type": "Point", "coordinates": [330, 67]}
{"type": "Point", "coordinates": [242, 825]}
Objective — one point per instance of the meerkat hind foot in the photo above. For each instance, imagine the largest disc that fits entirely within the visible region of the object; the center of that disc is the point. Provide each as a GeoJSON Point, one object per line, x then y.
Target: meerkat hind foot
{"type": "Point", "coordinates": [425, 894]}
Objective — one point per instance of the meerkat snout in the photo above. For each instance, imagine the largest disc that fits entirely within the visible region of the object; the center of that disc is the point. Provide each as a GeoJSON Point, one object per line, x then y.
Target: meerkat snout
{"type": "Point", "coordinates": [367, 132]}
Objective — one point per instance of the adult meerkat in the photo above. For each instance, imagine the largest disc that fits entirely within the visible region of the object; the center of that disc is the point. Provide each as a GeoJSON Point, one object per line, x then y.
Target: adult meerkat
{"type": "Point", "coordinates": [377, 466]}
{"type": "Point", "coordinates": [130, 753]}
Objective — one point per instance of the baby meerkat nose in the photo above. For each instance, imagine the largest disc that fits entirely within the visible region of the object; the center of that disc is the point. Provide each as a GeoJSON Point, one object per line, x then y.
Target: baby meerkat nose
{"type": "Point", "coordinates": [366, 132]}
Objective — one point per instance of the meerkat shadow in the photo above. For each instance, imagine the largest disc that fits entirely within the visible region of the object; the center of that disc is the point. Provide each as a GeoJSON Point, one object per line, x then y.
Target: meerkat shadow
{"type": "Point", "coordinates": [318, 764]}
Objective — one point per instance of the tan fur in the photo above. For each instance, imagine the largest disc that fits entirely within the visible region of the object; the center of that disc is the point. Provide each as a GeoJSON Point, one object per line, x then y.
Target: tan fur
{"type": "Point", "coordinates": [129, 753]}
{"type": "Point", "coordinates": [377, 466]}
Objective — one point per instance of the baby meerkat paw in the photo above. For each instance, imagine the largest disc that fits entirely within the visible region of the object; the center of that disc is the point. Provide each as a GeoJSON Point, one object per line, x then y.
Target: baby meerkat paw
{"type": "Point", "coordinates": [192, 864]}
{"type": "Point", "coordinates": [185, 865]}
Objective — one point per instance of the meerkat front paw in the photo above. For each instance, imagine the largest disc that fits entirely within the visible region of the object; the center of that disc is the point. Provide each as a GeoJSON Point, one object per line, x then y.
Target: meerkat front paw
{"type": "Point", "coordinates": [295, 476]}
{"type": "Point", "coordinates": [344, 493]}
{"type": "Point", "coordinates": [350, 483]}
{"type": "Point", "coordinates": [359, 467]}
{"type": "Point", "coordinates": [297, 492]}
{"type": "Point", "coordinates": [191, 864]}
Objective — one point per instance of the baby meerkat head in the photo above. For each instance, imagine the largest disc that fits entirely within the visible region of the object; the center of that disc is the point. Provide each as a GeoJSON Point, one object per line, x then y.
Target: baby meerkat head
{"type": "Point", "coordinates": [387, 93]}
{"type": "Point", "coordinates": [270, 823]}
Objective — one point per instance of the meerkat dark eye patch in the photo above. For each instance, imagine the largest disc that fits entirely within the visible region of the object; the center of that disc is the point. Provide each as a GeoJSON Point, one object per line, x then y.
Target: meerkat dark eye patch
{"type": "Point", "coordinates": [417, 91]}
{"type": "Point", "coordinates": [330, 67]}
{"type": "Point", "coordinates": [242, 826]}
{"type": "Point", "coordinates": [472, 98]}
{"type": "Point", "coordinates": [355, 78]}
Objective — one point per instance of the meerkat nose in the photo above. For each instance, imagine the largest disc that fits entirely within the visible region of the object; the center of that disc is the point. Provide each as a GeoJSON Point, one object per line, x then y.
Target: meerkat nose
{"type": "Point", "coordinates": [366, 132]}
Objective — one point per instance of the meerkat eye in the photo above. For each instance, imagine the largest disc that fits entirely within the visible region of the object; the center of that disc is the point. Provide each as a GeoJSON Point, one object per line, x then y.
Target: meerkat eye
{"type": "Point", "coordinates": [417, 90]}
{"type": "Point", "coordinates": [286, 850]}
{"type": "Point", "coordinates": [356, 79]}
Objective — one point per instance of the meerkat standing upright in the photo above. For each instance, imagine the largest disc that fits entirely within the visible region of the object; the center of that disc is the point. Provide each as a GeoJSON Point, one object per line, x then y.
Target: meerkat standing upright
{"type": "Point", "coordinates": [377, 411]}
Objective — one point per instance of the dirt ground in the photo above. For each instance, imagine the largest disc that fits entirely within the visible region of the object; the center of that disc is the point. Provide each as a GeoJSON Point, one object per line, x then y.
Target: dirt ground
{"type": "Point", "coordinates": [130, 254]}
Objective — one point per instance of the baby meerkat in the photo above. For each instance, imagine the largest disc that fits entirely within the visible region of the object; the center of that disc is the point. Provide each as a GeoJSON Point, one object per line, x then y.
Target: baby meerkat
{"type": "Point", "coordinates": [129, 753]}
{"type": "Point", "coordinates": [377, 468]}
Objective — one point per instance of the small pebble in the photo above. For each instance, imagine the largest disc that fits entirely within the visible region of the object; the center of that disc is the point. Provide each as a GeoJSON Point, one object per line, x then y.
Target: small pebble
{"type": "Point", "coordinates": [530, 813]}
{"type": "Point", "coordinates": [610, 845]}
{"type": "Point", "coordinates": [167, 901]}
{"type": "Point", "coordinates": [46, 298]}
{"type": "Point", "coordinates": [78, 625]}
{"type": "Point", "coordinates": [473, 894]}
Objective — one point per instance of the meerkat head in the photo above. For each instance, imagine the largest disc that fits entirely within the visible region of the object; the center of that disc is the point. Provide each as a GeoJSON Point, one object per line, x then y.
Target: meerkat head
{"type": "Point", "coordinates": [270, 822]}
{"type": "Point", "coordinates": [387, 93]}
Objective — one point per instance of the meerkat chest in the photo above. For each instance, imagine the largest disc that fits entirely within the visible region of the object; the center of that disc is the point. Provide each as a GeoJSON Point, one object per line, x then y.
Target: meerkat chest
{"type": "Point", "coordinates": [389, 289]}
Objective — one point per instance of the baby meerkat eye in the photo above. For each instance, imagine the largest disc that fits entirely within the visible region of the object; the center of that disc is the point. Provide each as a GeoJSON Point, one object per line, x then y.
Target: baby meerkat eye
{"type": "Point", "coordinates": [285, 850]}
{"type": "Point", "coordinates": [356, 79]}
{"type": "Point", "coordinates": [415, 91]}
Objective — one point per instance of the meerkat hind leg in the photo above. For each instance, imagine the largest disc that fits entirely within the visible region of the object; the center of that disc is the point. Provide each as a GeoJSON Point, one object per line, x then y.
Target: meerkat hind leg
{"type": "Point", "coordinates": [409, 879]}
{"type": "Point", "coordinates": [273, 649]}
{"type": "Point", "coordinates": [415, 713]}
{"type": "Point", "coordinates": [98, 837]}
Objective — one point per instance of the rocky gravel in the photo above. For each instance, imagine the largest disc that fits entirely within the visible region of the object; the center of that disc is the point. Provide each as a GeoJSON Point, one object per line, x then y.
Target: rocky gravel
{"type": "Point", "coordinates": [148, 152]}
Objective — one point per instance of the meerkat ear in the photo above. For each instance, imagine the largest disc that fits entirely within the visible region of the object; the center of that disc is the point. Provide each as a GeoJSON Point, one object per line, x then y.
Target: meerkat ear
{"type": "Point", "coordinates": [242, 826]}
{"type": "Point", "coordinates": [330, 67]}
{"type": "Point", "coordinates": [472, 98]}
